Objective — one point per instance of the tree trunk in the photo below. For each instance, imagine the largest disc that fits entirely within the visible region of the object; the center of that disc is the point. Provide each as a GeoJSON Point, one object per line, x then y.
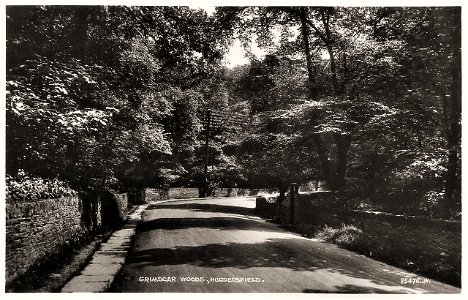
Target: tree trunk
{"type": "Point", "coordinates": [282, 194]}
{"type": "Point", "coordinates": [344, 70]}
{"type": "Point", "coordinates": [452, 178]}
{"type": "Point", "coordinates": [333, 70]}
{"type": "Point", "coordinates": [343, 142]}
{"type": "Point", "coordinates": [328, 45]}
{"type": "Point", "coordinates": [80, 37]}
{"type": "Point", "coordinates": [305, 39]}
{"type": "Point", "coordinates": [201, 192]}
{"type": "Point", "coordinates": [323, 158]}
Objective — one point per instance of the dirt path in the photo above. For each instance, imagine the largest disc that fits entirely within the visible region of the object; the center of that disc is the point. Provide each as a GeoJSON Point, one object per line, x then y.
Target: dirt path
{"type": "Point", "coordinates": [222, 247]}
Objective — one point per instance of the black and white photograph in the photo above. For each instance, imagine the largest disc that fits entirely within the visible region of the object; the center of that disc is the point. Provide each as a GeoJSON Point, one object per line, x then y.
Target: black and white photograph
{"type": "Point", "coordinates": [232, 148]}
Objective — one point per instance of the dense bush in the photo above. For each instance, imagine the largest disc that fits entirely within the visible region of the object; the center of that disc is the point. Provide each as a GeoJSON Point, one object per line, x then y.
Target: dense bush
{"type": "Point", "coordinates": [25, 188]}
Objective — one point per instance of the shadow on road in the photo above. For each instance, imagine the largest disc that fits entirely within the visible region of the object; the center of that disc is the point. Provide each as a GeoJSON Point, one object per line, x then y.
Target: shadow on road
{"type": "Point", "coordinates": [226, 209]}
{"type": "Point", "coordinates": [273, 253]}
{"type": "Point", "coordinates": [250, 243]}
{"type": "Point", "coordinates": [233, 218]}
{"type": "Point", "coordinates": [221, 223]}
{"type": "Point", "coordinates": [352, 289]}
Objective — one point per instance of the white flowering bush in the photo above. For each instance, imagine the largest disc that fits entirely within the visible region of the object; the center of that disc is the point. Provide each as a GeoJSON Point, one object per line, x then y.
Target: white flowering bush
{"type": "Point", "coordinates": [23, 188]}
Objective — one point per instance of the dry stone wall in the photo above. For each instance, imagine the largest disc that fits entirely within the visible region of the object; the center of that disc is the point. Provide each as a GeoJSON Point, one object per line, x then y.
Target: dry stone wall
{"type": "Point", "coordinates": [427, 246]}
{"type": "Point", "coordinates": [38, 231]}
{"type": "Point", "coordinates": [155, 194]}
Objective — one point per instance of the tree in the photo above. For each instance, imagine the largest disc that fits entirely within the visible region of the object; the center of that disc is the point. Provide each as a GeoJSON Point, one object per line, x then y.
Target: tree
{"type": "Point", "coordinates": [433, 69]}
{"type": "Point", "coordinates": [319, 28]}
{"type": "Point", "coordinates": [378, 104]}
{"type": "Point", "coordinates": [88, 115]}
{"type": "Point", "coordinates": [270, 84]}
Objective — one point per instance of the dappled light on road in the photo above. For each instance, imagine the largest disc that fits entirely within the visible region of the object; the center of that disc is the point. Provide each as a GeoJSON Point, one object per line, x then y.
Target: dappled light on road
{"type": "Point", "coordinates": [175, 238]}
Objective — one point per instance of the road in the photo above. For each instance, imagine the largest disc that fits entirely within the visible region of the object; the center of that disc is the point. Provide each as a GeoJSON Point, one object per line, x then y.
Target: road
{"type": "Point", "coordinates": [212, 241]}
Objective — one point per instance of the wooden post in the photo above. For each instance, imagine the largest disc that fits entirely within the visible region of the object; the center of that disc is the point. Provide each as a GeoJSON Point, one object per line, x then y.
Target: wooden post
{"type": "Point", "coordinates": [207, 144]}
{"type": "Point", "coordinates": [292, 204]}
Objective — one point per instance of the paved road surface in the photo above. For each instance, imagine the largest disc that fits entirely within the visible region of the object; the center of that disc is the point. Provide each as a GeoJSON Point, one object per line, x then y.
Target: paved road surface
{"type": "Point", "coordinates": [220, 239]}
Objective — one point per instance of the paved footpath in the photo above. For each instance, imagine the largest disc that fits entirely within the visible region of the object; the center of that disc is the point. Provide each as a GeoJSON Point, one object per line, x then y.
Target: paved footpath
{"type": "Point", "coordinates": [108, 260]}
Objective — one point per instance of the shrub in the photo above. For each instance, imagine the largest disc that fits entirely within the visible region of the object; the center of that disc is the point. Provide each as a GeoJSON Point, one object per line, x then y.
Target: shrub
{"type": "Point", "coordinates": [430, 204]}
{"type": "Point", "coordinates": [345, 235]}
{"type": "Point", "coordinates": [22, 188]}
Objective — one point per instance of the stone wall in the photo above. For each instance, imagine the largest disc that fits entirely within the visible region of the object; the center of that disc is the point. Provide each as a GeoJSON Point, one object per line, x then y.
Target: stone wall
{"type": "Point", "coordinates": [266, 209]}
{"type": "Point", "coordinates": [430, 247]}
{"type": "Point", "coordinates": [113, 209]}
{"type": "Point", "coordinates": [139, 195]}
{"type": "Point", "coordinates": [181, 193]}
{"type": "Point", "coordinates": [38, 231]}
{"type": "Point", "coordinates": [153, 194]}
{"type": "Point", "coordinates": [233, 192]}
{"type": "Point", "coordinates": [172, 193]}
{"type": "Point", "coordinates": [309, 215]}
{"type": "Point", "coordinates": [122, 205]}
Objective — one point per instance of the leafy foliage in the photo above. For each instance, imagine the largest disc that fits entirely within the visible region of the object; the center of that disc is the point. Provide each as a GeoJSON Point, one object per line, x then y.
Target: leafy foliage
{"type": "Point", "coordinates": [375, 116]}
{"type": "Point", "coordinates": [367, 99]}
{"type": "Point", "coordinates": [91, 104]}
{"type": "Point", "coordinates": [26, 188]}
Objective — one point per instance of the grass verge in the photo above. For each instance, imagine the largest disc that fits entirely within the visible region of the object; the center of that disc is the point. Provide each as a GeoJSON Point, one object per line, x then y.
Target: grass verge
{"type": "Point", "coordinates": [435, 256]}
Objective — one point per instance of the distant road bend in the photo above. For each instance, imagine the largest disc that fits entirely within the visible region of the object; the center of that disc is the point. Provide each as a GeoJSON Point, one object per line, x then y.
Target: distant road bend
{"type": "Point", "coordinates": [218, 245]}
